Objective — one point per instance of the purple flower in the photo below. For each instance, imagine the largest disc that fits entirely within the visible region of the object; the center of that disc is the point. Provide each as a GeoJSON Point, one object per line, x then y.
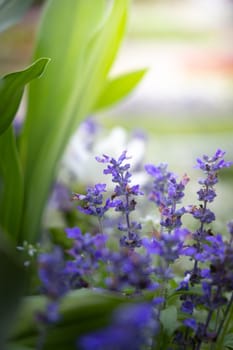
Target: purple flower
{"type": "Point", "coordinates": [210, 180]}
{"type": "Point", "coordinates": [134, 226]}
{"type": "Point", "coordinates": [158, 172]}
{"type": "Point", "coordinates": [132, 328]}
{"type": "Point", "coordinates": [128, 269]}
{"type": "Point", "coordinates": [160, 185]}
{"type": "Point", "coordinates": [211, 166]}
{"type": "Point", "coordinates": [90, 125]}
{"type": "Point", "coordinates": [120, 175]}
{"type": "Point", "coordinates": [122, 199]}
{"type": "Point", "coordinates": [221, 265]}
{"type": "Point", "coordinates": [73, 233]}
{"type": "Point", "coordinates": [86, 253]}
{"type": "Point", "coordinates": [51, 273]}
{"type": "Point", "coordinates": [212, 247]}
{"type": "Point", "coordinates": [230, 228]}
{"type": "Point", "coordinates": [191, 323]}
{"type": "Point", "coordinates": [206, 194]}
{"type": "Point", "coordinates": [132, 240]}
{"type": "Point", "coordinates": [201, 213]}
{"type": "Point", "coordinates": [93, 201]}
{"type": "Point", "coordinates": [215, 163]}
{"type": "Point", "coordinates": [53, 312]}
{"type": "Point", "coordinates": [183, 285]}
{"type": "Point", "coordinates": [166, 194]}
{"type": "Point", "coordinates": [171, 218]}
{"type": "Point", "coordinates": [189, 251]}
{"type": "Point", "coordinates": [53, 284]}
{"type": "Point", "coordinates": [187, 307]}
{"type": "Point", "coordinates": [60, 198]}
{"type": "Point", "coordinates": [158, 300]}
{"type": "Point", "coordinates": [169, 245]}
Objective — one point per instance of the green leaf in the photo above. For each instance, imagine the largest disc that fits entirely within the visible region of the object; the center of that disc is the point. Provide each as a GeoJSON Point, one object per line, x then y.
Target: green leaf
{"type": "Point", "coordinates": [118, 88]}
{"type": "Point", "coordinates": [83, 49]}
{"type": "Point", "coordinates": [11, 180]}
{"type": "Point", "coordinates": [11, 11]}
{"type": "Point", "coordinates": [11, 90]}
{"type": "Point", "coordinates": [82, 311]}
{"type": "Point", "coordinates": [12, 287]}
{"type": "Point", "coordinates": [173, 296]}
{"type": "Point", "coordinates": [17, 346]}
{"type": "Point", "coordinates": [228, 341]}
{"type": "Point", "coordinates": [168, 318]}
{"type": "Point", "coordinates": [226, 327]}
{"type": "Point", "coordinates": [11, 185]}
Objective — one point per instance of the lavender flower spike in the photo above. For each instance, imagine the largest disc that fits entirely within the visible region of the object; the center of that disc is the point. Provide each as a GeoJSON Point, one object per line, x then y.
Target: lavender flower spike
{"type": "Point", "coordinates": [122, 199]}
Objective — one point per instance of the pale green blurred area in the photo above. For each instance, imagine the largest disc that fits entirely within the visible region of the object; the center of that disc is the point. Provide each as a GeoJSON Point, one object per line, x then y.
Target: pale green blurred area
{"type": "Point", "coordinates": [185, 102]}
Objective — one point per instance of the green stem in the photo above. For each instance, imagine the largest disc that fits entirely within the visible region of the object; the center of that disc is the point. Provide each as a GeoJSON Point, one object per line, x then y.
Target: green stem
{"type": "Point", "coordinates": [100, 225]}
{"type": "Point", "coordinates": [223, 327]}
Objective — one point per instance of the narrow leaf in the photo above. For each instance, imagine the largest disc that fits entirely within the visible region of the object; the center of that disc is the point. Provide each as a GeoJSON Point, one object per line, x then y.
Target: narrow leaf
{"type": "Point", "coordinates": [11, 185]}
{"type": "Point", "coordinates": [118, 88]}
{"type": "Point", "coordinates": [12, 286]}
{"type": "Point", "coordinates": [83, 50]}
{"type": "Point", "coordinates": [11, 182]}
{"type": "Point", "coordinates": [11, 90]}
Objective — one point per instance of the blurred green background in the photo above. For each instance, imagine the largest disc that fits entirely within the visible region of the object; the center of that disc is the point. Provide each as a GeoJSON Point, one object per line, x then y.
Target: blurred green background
{"type": "Point", "coordinates": [185, 102]}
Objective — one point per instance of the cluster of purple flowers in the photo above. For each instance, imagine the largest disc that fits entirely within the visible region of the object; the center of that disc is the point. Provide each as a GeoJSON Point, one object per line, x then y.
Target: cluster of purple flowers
{"type": "Point", "coordinates": [131, 270]}
{"type": "Point", "coordinates": [212, 269]}
{"type": "Point", "coordinates": [54, 284]}
{"type": "Point", "coordinates": [123, 197]}
{"type": "Point", "coordinates": [146, 263]}
{"type": "Point", "coordinates": [59, 275]}
{"type": "Point", "coordinates": [166, 194]}
{"type": "Point", "coordinates": [93, 201]}
{"type": "Point", "coordinates": [86, 253]}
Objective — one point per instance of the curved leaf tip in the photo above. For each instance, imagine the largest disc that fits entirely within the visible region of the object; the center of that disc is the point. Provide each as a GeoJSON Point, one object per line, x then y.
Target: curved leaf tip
{"type": "Point", "coordinates": [11, 90]}
{"type": "Point", "coordinates": [118, 88]}
{"type": "Point", "coordinates": [42, 64]}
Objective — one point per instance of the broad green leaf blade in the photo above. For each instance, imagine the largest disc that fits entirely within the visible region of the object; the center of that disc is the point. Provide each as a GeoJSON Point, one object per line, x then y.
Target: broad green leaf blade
{"type": "Point", "coordinates": [228, 341]}
{"type": "Point", "coordinates": [11, 90]}
{"type": "Point", "coordinates": [104, 48]}
{"type": "Point", "coordinates": [118, 88]}
{"type": "Point", "coordinates": [17, 346]}
{"type": "Point", "coordinates": [11, 185]}
{"type": "Point", "coordinates": [83, 49]}
{"type": "Point", "coordinates": [168, 318]}
{"type": "Point", "coordinates": [12, 276]}
{"type": "Point", "coordinates": [11, 11]}
{"type": "Point", "coordinates": [82, 311]}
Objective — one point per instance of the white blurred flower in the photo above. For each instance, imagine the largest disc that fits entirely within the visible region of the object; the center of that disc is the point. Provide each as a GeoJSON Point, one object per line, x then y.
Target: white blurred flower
{"type": "Point", "coordinates": [79, 165]}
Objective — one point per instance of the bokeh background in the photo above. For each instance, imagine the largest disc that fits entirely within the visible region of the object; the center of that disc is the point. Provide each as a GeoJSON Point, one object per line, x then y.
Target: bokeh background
{"type": "Point", "coordinates": [184, 104]}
